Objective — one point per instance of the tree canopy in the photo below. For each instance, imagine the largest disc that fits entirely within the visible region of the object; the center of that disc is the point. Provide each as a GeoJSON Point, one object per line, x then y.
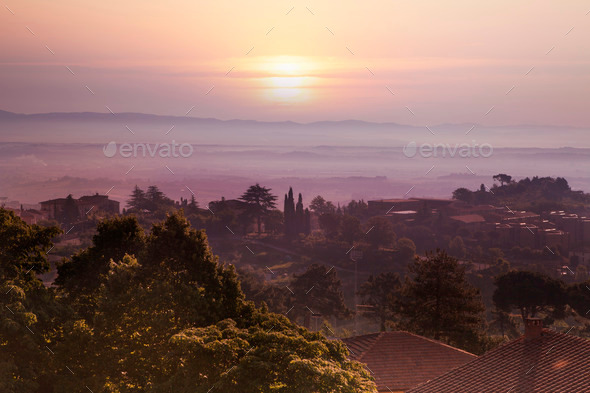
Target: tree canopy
{"type": "Point", "coordinates": [438, 302]}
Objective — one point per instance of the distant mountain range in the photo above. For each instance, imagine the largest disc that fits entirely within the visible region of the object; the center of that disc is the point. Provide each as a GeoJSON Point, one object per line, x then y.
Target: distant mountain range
{"type": "Point", "coordinates": [92, 127]}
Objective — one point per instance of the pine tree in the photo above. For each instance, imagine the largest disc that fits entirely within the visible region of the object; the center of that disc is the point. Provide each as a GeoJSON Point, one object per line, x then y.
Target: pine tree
{"type": "Point", "coordinates": [138, 199]}
{"type": "Point", "coordinates": [289, 211]}
{"type": "Point", "coordinates": [438, 302]}
{"type": "Point", "coordinates": [259, 201]}
{"type": "Point", "coordinates": [299, 216]}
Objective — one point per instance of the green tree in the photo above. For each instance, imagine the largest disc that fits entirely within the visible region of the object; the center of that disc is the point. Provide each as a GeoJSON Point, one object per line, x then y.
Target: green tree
{"type": "Point", "coordinates": [137, 200]}
{"type": "Point", "coordinates": [379, 232]}
{"type": "Point", "coordinates": [531, 293]}
{"type": "Point", "coordinates": [381, 292]}
{"type": "Point", "coordinates": [272, 356]}
{"type": "Point", "coordinates": [320, 206]}
{"type": "Point", "coordinates": [457, 247]}
{"type": "Point", "coordinates": [504, 324]}
{"type": "Point", "coordinates": [28, 311]}
{"type": "Point", "coordinates": [579, 298]}
{"type": "Point", "coordinates": [406, 249]}
{"type": "Point", "coordinates": [80, 276]}
{"type": "Point", "coordinates": [330, 224]}
{"type": "Point", "coordinates": [463, 194]}
{"type": "Point", "coordinates": [274, 222]}
{"type": "Point", "coordinates": [317, 290]}
{"type": "Point", "coordinates": [503, 178]}
{"type": "Point", "coordinates": [438, 302]}
{"type": "Point", "coordinates": [260, 201]}
{"type": "Point", "coordinates": [350, 228]}
{"type": "Point", "coordinates": [173, 318]}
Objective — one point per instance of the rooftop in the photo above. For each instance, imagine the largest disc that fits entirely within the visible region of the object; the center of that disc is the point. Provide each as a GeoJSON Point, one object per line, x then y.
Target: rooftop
{"type": "Point", "coordinates": [551, 362]}
{"type": "Point", "coordinates": [400, 360]}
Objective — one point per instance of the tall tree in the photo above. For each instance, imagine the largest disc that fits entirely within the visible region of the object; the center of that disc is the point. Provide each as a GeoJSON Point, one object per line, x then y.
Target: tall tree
{"type": "Point", "coordinates": [28, 310]}
{"type": "Point", "coordinates": [379, 232]}
{"type": "Point", "coordinates": [317, 290]}
{"type": "Point", "coordinates": [503, 178]}
{"type": "Point", "coordinates": [273, 356]}
{"type": "Point", "coordinates": [137, 199]}
{"type": "Point", "coordinates": [320, 206]}
{"type": "Point", "coordinates": [381, 292]}
{"type": "Point", "coordinates": [530, 293]}
{"type": "Point", "coordinates": [299, 216]}
{"type": "Point", "coordinates": [289, 212]}
{"type": "Point", "coordinates": [438, 302]}
{"type": "Point", "coordinates": [80, 276]}
{"type": "Point", "coordinates": [260, 201]}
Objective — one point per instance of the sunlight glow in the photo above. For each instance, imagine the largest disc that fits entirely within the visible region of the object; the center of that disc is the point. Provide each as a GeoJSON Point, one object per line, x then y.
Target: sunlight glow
{"type": "Point", "coordinates": [288, 82]}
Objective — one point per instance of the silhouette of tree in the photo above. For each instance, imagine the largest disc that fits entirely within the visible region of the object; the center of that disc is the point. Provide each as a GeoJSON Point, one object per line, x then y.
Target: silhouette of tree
{"type": "Point", "coordinates": [260, 201]}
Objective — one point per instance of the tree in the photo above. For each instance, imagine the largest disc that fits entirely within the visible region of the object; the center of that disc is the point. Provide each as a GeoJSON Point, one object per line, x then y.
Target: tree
{"type": "Point", "coordinates": [320, 206]}
{"type": "Point", "coordinates": [579, 298]}
{"type": "Point", "coordinates": [330, 224]}
{"type": "Point", "coordinates": [463, 194]}
{"type": "Point", "coordinates": [317, 290]}
{"type": "Point", "coordinates": [381, 292]}
{"type": "Point", "coordinates": [80, 276]}
{"type": "Point", "coordinates": [406, 249]}
{"type": "Point", "coordinates": [28, 310]}
{"type": "Point", "coordinates": [350, 228]}
{"type": "Point", "coordinates": [274, 222]}
{"type": "Point", "coordinates": [260, 201]}
{"type": "Point", "coordinates": [137, 201]}
{"type": "Point", "coordinates": [503, 178]}
{"type": "Point", "coordinates": [379, 232]}
{"type": "Point", "coordinates": [71, 214]}
{"type": "Point", "coordinates": [289, 212]}
{"type": "Point", "coordinates": [504, 324]}
{"type": "Point", "coordinates": [172, 318]}
{"type": "Point", "coordinates": [272, 356]}
{"type": "Point", "coordinates": [531, 293]}
{"type": "Point", "coordinates": [156, 199]}
{"type": "Point", "coordinates": [299, 216]}
{"type": "Point", "coordinates": [457, 247]}
{"type": "Point", "coordinates": [438, 302]}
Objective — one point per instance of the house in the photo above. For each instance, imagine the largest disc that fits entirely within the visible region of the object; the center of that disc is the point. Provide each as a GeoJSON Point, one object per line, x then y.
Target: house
{"type": "Point", "coordinates": [540, 361]}
{"type": "Point", "coordinates": [53, 209]}
{"type": "Point", "coordinates": [400, 360]}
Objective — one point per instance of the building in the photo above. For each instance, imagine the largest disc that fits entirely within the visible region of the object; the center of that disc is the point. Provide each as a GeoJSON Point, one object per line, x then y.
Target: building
{"type": "Point", "coordinates": [53, 209]}
{"type": "Point", "coordinates": [381, 207]}
{"type": "Point", "coordinates": [400, 360]}
{"type": "Point", "coordinates": [540, 361]}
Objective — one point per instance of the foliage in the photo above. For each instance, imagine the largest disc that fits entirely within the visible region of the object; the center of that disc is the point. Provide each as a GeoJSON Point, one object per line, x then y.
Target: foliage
{"type": "Point", "coordinates": [379, 232]}
{"type": "Point", "coordinates": [381, 292]}
{"type": "Point", "coordinates": [272, 355]}
{"type": "Point", "coordinates": [438, 302]}
{"type": "Point", "coordinates": [27, 308]}
{"type": "Point", "coordinates": [259, 201]}
{"type": "Point", "coordinates": [320, 206]}
{"type": "Point", "coordinates": [317, 290]}
{"type": "Point", "coordinates": [531, 293]}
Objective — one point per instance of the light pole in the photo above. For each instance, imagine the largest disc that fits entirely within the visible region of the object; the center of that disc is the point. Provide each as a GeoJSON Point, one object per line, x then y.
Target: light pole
{"type": "Point", "coordinates": [355, 255]}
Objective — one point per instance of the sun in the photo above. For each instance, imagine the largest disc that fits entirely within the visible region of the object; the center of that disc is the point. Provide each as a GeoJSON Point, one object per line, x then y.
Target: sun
{"type": "Point", "coordinates": [288, 79]}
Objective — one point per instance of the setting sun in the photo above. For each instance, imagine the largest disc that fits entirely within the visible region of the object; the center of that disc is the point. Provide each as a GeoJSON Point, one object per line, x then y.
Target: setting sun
{"type": "Point", "coordinates": [288, 80]}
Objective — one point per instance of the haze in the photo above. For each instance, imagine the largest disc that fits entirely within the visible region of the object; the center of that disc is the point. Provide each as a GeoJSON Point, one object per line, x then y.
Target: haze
{"type": "Point", "coordinates": [418, 63]}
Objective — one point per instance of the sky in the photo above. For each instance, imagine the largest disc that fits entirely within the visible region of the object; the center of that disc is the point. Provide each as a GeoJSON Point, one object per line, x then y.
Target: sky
{"type": "Point", "coordinates": [412, 62]}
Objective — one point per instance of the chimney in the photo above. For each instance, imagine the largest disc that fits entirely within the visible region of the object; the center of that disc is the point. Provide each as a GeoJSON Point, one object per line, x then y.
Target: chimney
{"type": "Point", "coordinates": [533, 327]}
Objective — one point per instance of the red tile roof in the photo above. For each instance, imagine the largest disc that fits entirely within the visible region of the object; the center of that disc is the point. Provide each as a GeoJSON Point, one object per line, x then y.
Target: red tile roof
{"type": "Point", "coordinates": [553, 362]}
{"type": "Point", "coordinates": [399, 360]}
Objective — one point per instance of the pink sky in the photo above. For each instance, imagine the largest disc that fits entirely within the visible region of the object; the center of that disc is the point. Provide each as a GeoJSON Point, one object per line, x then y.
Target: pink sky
{"type": "Point", "coordinates": [448, 62]}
